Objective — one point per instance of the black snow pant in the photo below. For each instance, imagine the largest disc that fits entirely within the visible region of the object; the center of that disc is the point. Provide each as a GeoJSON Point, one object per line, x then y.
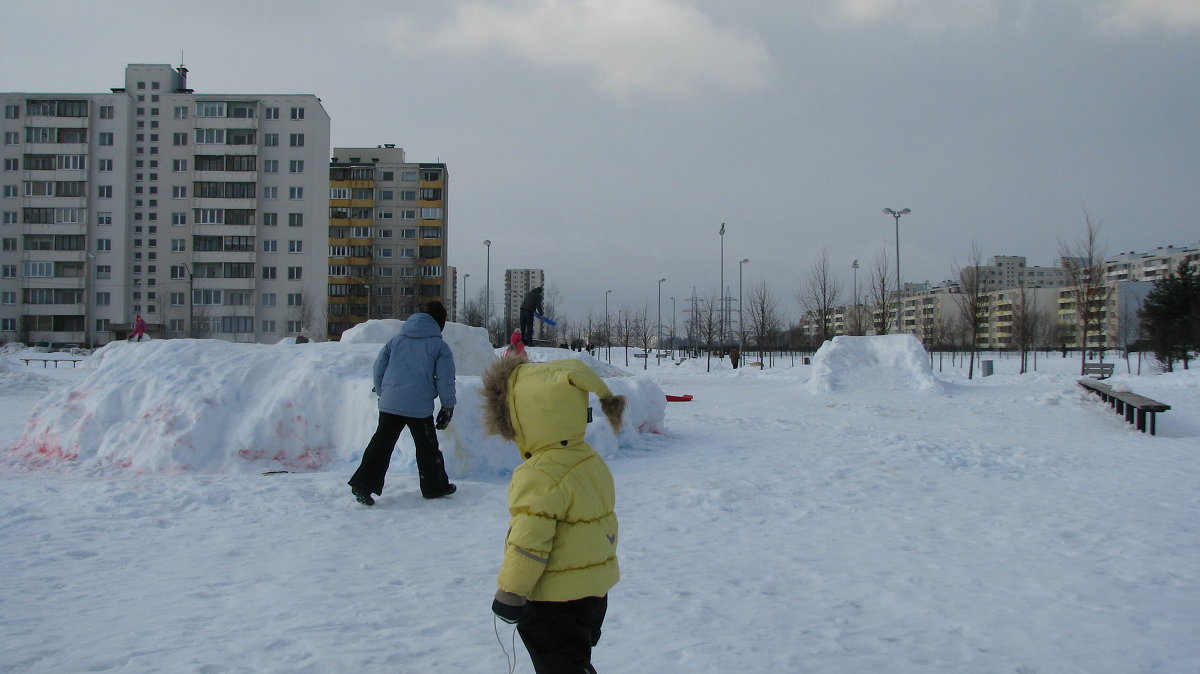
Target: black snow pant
{"type": "Point", "coordinates": [559, 635]}
{"type": "Point", "coordinates": [527, 326]}
{"type": "Point", "coordinates": [378, 455]}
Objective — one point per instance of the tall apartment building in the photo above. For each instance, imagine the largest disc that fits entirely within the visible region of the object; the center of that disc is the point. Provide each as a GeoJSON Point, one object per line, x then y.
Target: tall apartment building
{"type": "Point", "coordinates": [387, 235]}
{"type": "Point", "coordinates": [204, 213]}
{"type": "Point", "coordinates": [1010, 271]}
{"type": "Point", "coordinates": [1152, 265]}
{"type": "Point", "coordinates": [517, 282]}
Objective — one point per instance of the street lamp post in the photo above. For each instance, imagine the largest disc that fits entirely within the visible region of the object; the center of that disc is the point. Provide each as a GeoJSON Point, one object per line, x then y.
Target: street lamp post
{"type": "Point", "coordinates": [487, 311]}
{"type": "Point", "coordinates": [465, 296]}
{"type": "Point", "coordinates": [191, 301]}
{"type": "Point", "coordinates": [658, 344]}
{"type": "Point", "coordinates": [607, 337]}
{"type": "Point", "coordinates": [741, 326]}
{"type": "Point", "coordinates": [854, 265]}
{"type": "Point", "coordinates": [896, 216]}
{"type": "Point", "coordinates": [672, 325]}
{"type": "Point", "coordinates": [721, 290]}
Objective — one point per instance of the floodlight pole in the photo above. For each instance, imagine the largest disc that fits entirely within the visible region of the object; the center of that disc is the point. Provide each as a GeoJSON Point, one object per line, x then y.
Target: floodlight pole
{"type": "Point", "coordinates": [896, 216]}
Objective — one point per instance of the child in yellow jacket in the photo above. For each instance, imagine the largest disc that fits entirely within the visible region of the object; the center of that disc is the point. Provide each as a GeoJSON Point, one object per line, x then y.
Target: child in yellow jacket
{"type": "Point", "coordinates": [560, 554]}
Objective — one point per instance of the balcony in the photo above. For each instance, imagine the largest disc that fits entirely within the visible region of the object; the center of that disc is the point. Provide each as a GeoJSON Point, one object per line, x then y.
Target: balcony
{"type": "Point", "coordinates": [54, 255]}
{"type": "Point", "coordinates": [223, 255]}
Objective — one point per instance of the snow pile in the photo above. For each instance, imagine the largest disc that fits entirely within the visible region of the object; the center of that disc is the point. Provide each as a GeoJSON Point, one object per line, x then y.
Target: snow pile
{"type": "Point", "coordinates": [876, 363]}
{"type": "Point", "coordinates": [215, 406]}
{"type": "Point", "coordinates": [543, 353]}
{"type": "Point", "coordinates": [472, 351]}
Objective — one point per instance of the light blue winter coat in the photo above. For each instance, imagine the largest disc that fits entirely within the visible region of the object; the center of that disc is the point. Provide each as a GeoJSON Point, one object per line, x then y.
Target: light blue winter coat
{"type": "Point", "coordinates": [413, 368]}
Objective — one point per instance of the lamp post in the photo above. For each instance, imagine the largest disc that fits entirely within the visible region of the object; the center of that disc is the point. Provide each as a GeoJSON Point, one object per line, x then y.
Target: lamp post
{"type": "Point", "coordinates": [658, 344]}
{"type": "Point", "coordinates": [854, 265]}
{"type": "Point", "coordinates": [672, 326]}
{"type": "Point", "coordinates": [191, 302]}
{"type": "Point", "coordinates": [741, 326]}
{"type": "Point", "coordinates": [487, 311]}
{"type": "Point", "coordinates": [896, 216]}
{"type": "Point", "coordinates": [721, 289]}
{"type": "Point", "coordinates": [88, 298]}
{"type": "Point", "coordinates": [465, 296]}
{"type": "Point", "coordinates": [607, 337]}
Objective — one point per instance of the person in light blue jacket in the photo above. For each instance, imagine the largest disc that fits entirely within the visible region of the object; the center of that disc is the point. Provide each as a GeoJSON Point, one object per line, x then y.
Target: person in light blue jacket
{"type": "Point", "coordinates": [412, 369]}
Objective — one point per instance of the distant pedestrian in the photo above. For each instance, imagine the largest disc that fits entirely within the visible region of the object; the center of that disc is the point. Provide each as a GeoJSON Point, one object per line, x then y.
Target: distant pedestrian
{"type": "Point", "coordinates": [302, 338]}
{"type": "Point", "coordinates": [531, 304]}
{"type": "Point", "coordinates": [138, 328]}
{"type": "Point", "coordinates": [412, 369]}
{"type": "Point", "coordinates": [515, 344]}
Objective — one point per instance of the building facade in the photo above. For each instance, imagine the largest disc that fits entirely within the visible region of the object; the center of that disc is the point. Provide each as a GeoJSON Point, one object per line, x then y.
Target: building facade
{"type": "Point", "coordinates": [204, 213]}
{"type": "Point", "coordinates": [387, 235]}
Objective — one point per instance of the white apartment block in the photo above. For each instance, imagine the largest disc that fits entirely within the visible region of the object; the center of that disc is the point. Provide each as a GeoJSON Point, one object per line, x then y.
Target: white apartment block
{"type": "Point", "coordinates": [1010, 271]}
{"type": "Point", "coordinates": [387, 248]}
{"type": "Point", "coordinates": [204, 213]}
{"type": "Point", "coordinates": [1150, 266]}
{"type": "Point", "coordinates": [517, 282]}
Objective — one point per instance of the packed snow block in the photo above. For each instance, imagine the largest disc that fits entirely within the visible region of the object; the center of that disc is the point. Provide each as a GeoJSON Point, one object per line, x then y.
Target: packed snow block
{"type": "Point", "coordinates": [215, 406]}
{"type": "Point", "coordinates": [473, 352]}
{"type": "Point", "coordinates": [876, 363]}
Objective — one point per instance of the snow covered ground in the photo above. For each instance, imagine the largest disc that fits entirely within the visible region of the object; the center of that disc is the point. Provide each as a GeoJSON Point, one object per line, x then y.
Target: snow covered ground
{"type": "Point", "coordinates": [859, 514]}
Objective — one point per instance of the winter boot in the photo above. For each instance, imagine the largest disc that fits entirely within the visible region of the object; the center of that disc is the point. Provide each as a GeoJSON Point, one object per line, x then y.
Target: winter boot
{"type": "Point", "coordinates": [362, 496]}
{"type": "Point", "coordinates": [450, 489]}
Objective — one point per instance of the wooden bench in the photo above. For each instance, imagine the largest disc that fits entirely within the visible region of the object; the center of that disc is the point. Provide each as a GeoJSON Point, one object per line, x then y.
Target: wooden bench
{"type": "Point", "coordinates": [46, 361]}
{"type": "Point", "coordinates": [1129, 404]}
{"type": "Point", "coordinates": [1105, 370]}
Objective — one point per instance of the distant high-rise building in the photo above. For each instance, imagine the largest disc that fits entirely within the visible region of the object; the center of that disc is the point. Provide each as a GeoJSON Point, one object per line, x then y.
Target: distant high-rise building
{"type": "Point", "coordinates": [387, 235]}
{"type": "Point", "coordinates": [204, 213]}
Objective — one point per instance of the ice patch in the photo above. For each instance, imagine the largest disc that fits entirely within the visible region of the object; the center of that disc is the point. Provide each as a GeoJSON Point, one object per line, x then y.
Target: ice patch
{"type": "Point", "coordinates": [876, 363]}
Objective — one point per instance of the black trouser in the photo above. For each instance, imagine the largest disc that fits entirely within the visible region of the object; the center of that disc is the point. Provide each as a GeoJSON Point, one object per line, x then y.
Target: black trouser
{"type": "Point", "coordinates": [559, 635]}
{"type": "Point", "coordinates": [527, 326]}
{"type": "Point", "coordinates": [378, 455]}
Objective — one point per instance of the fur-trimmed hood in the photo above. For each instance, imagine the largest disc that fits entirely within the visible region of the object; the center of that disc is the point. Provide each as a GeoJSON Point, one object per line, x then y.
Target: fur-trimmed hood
{"type": "Point", "coordinates": [543, 404]}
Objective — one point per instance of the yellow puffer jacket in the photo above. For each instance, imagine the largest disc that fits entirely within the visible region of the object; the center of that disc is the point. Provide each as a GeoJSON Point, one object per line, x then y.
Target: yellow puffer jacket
{"type": "Point", "coordinates": [562, 538]}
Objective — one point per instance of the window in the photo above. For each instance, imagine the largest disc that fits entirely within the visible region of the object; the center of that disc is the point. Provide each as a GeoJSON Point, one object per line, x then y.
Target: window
{"type": "Point", "coordinates": [270, 246]}
{"type": "Point", "coordinates": [295, 219]}
{"type": "Point", "coordinates": [297, 113]}
{"type": "Point", "coordinates": [106, 138]}
{"type": "Point", "coordinates": [296, 166]}
{"type": "Point", "coordinates": [179, 192]}
{"type": "Point", "coordinates": [295, 273]}
{"type": "Point", "coordinates": [295, 193]}
{"type": "Point", "coordinates": [179, 165]}
{"type": "Point", "coordinates": [386, 195]}
{"type": "Point", "coordinates": [210, 136]}
{"type": "Point", "coordinates": [181, 112]}
{"type": "Point", "coordinates": [268, 299]}
{"type": "Point", "coordinates": [178, 245]}
{"type": "Point", "coordinates": [209, 216]}
{"type": "Point", "coordinates": [12, 112]}
{"type": "Point", "coordinates": [383, 252]}
{"type": "Point", "coordinates": [8, 297]}
{"type": "Point", "coordinates": [294, 246]}
{"type": "Point", "coordinates": [271, 113]}
{"type": "Point", "coordinates": [406, 214]}
{"type": "Point", "coordinates": [431, 213]}
{"type": "Point", "coordinates": [271, 139]}
{"type": "Point", "coordinates": [12, 164]}
{"type": "Point", "coordinates": [103, 271]}
{"type": "Point", "coordinates": [270, 219]}
{"type": "Point", "coordinates": [12, 137]}
{"type": "Point", "coordinates": [9, 244]}
{"type": "Point", "coordinates": [8, 324]}
{"type": "Point", "coordinates": [10, 192]}
{"type": "Point", "coordinates": [268, 273]}
{"type": "Point", "coordinates": [105, 165]}
{"type": "Point", "coordinates": [8, 271]}
{"type": "Point", "coordinates": [210, 108]}
{"type": "Point", "coordinates": [270, 192]}
{"type": "Point", "coordinates": [389, 176]}
{"type": "Point", "coordinates": [39, 269]}
{"type": "Point", "coordinates": [10, 218]}
{"type": "Point", "coordinates": [105, 191]}
{"type": "Point", "coordinates": [179, 139]}
{"type": "Point", "coordinates": [103, 245]}
{"type": "Point", "coordinates": [294, 299]}
{"type": "Point", "coordinates": [268, 326]}
{"type": "Point", "coordinates": [103, 299]}
{"type": "Point", "coordinates": [296, 140]}
{"type": "Point", "coordinates": [339, 193]}
{"type": "Point", "coordinates": [270, 166]}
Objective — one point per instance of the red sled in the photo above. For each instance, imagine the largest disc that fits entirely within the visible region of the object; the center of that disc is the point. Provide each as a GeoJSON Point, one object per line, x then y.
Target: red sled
{"type": "Point", "coordinates": [679, 399]}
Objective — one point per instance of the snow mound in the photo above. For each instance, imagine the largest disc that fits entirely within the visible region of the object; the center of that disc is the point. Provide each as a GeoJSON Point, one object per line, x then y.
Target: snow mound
{"type": "Point", "coordinates": [472, 350]}
{"type": "Point", "coordinates": [876, 363]}
{"type": "Point", "coordinates": [215, 406]}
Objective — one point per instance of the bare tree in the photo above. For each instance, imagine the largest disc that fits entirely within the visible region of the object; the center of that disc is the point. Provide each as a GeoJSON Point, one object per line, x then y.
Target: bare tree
{"type": "Point", "coordinates": [1084, 262]}
{"type": "Point", "coordinates": [765, 321]}
{"type": "Point", "coordinates": [879, 291]}
{"type": "Point", "coordinates": [473, 312]}
{"type": "Point", "coordinates": [643, 333]}
{"type": "Point", "coordinates": [1026, 321]}
{"type": "Point", "coordinates": [972, 302]}
{"type": "Point", "coordinates": [707, 318]}
{"type": "Point", "coordinates": [820, 296]}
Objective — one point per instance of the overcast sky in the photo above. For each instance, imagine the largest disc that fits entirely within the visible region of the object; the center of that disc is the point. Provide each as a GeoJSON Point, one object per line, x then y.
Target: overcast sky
{"type": "Point", "coordinates": [605, 141]}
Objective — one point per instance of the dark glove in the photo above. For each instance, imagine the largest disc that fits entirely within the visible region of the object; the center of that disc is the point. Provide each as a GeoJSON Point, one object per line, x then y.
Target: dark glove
{"type": "Point", "coordinates": [508, 612]}
{"type": "Point", "coordinates": [443, 418]}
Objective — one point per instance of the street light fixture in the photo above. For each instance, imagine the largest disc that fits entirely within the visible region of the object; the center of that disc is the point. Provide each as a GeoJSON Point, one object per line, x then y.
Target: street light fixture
{"type": "Point", "coordinates": [487, 311]}
{"type": "Point", "coordinates": [855, 325]}
{"type": "Point", "coordinates": [658, 344]}
{"type": "Point", "coordinates": [741, 326]}
{"type": "Point", "coordinates": [672, 325]}
{"type": "Point", "coordinates": [896, 216]}
{"type": "Point", "coordinates": [607, 338]}
{"type": "Point", "coordinates": [465, 296]}
{"type": "Point", "coordinates": [721, 290]}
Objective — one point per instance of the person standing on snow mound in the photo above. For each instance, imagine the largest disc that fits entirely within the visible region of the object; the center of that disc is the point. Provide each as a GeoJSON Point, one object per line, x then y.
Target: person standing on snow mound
{"type": "Point", "coordinates": [560, 554]}
{"type": "Point", "coordinates": [138, 328]}
{"type": "Point", "coordinates": [412, 369]}
{"type": "Point", "coordinates": [531, 303]}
